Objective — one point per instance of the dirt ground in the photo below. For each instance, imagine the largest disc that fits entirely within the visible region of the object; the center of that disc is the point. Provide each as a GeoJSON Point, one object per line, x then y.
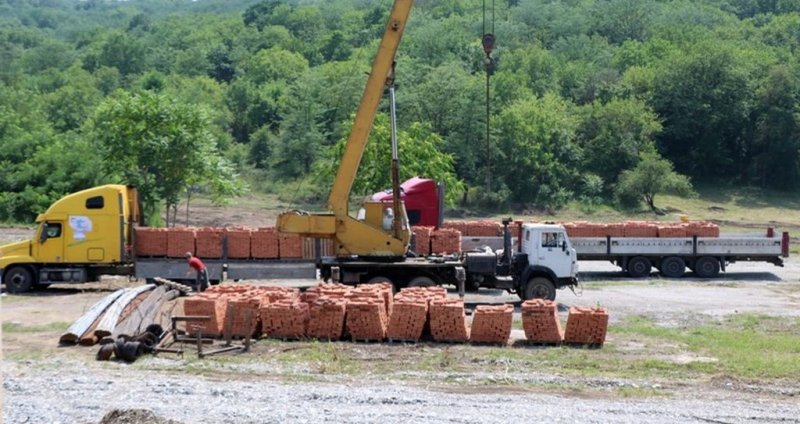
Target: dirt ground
{"type": "Point", "coordinates": [33, 361]}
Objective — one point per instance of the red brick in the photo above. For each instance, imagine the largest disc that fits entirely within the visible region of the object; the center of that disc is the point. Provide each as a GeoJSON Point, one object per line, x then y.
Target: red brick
{"type": "Point", "coordinates": [150, 241]}
{"type": "Point", "coordinates": [180, 241]}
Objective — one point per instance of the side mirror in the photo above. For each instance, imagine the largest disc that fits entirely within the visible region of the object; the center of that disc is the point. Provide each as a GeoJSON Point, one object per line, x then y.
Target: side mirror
{"type": "Point", "coordinates": [43, 235]}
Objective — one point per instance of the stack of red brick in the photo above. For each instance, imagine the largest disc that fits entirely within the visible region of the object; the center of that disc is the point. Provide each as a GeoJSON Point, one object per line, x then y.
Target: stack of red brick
{"type": "Point", "coordinates": [180, 241]}
{"type": "Point", "coordinates": [367, 312]}
{"type": "Point", "coordinates": [150, 241]}
{"type": "Point", "coordinates": [445, 240]}
{"type": "Point", "coordinates": [484, 228]}
{"type": "Point", "coordinates": [285, 318]}
{"type": "Point", "coordinates": [290, 246]}
{"type": "Point", "coordinates": [238, 242]}
{"type": "Point", "coordinates": [328, 306]}
{"type": "Point", "coordinates": [422, 245]}
{"type": "Point", "coordinates": [208, 242]}
{"type": "Point", "coordinates": [586, 326]}
{"type": "Point", "coordinates": [491, 324]}
{"type": "Point", "coordinates": [448, 321]}
{"type": "Point", "coordinates": [264, 243]}
{"type": "Point", "coordinates": [409, 315]}
{"type": "Point", "coordinates": [540, 321]}
{"type": "Point", "coordinates": [210, 304]}
{"type": "Point", "coordinates": [641, 229]}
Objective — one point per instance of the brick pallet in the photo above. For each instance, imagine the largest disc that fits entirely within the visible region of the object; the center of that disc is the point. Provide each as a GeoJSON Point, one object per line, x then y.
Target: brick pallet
{"type": "Point", "coordinates": [150, 241]}
{"type": "Point", "coordinates": [365, 319]}
{"type": "Point", "coordinates": [422, 245]}
{"type": "Point", "coordinates": [264, 243]}
{"type": "Point", "coordinates": [408, 318]}
{"type": "Point", "coordinates": [180, 241]}
{"type": "Point", "coordinates": [208, 242]}
{"type": "Point", "coordinates": [445, 241]}
{"type": "Point", "coordinates": [206, 304]}
{"type": "Point", "coordinates": [540, 322]}
{"type": "Point", "coordinates": [238, 240]}
{"type": "Point", "coordinates": [285, 319]}
{"type": "Point", "coordinates": [290, 246]}
{"type": "Point", "coordinates": [491, 324]}
{"type": "Point", "coordinates": [586, 326]}
{"type": "Point", "coordinates": [245, 316]}
{"type": "Point", "coordinates": [326, 318]}
{"type": "Point", "coordinates": [448, 321]}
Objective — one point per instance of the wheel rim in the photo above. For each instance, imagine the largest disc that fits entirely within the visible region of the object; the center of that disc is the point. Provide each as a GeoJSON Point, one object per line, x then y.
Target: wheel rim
{"type": "Point", "coordinates": [639, 267]}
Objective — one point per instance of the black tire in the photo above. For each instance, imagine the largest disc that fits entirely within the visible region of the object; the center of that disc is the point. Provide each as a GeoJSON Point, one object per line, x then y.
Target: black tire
{"type": "Point", "coordinates": [380, 279]}
{"type": "Point", "coordinates": [421, 281]}
{"type": "Point", "coordinates": [673, 267]}
{"type": "Point", "coordinates": [18, 279]}
{"type": "Point", "coordinates": [707, 267]}
{"type": "Point", "coordinates": [639, 267]}
{"type": "Point", "coordinates": [539, 288]}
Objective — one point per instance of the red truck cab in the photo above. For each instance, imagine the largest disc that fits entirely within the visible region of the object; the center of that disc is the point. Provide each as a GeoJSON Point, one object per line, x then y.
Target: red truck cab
{"type": "Point", "coordinates": [423, 198]}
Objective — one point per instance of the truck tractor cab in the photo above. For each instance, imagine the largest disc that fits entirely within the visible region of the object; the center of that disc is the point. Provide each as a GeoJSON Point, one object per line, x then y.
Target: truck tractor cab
{"type": "Point", "coordinates": [546, 261]}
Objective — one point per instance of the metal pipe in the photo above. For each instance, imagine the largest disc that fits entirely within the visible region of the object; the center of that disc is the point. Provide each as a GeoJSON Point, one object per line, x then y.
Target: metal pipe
{"type": "Point", "coordinates": [396, 223]}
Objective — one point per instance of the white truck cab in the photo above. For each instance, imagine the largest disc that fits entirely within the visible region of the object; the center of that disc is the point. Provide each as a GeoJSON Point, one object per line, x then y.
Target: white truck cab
{"type": "Point", "coordinates": [548, 245]}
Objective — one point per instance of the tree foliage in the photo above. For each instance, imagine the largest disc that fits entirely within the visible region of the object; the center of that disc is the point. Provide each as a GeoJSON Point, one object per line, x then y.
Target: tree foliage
{"type": "Point", "coordinates": [580, 91]}
{"type": "Point", "coordinates": [652, 175]}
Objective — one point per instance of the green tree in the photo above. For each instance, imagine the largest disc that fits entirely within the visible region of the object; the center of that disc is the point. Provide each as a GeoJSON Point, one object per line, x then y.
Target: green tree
{"type": "Point", "coordinates": [419, 152]}
{"type": "Point", "coordinates": [613, 135]}
{"type": "Point", "coordinates": [538, 153]}
{"type": "Point", "coordinates": [160, 146]}
{"type": "Point", "coordinates": [652, 175]}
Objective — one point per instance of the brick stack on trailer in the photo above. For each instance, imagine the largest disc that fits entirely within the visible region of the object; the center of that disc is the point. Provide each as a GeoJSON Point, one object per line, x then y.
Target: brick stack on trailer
{"type": "Point", "coordinates": [150, 241]}
{"type": "Point", "coordinates": [208, 242]}
{"type": "Point", "coordinates": [238, 242]}
{"type": "Point", "coordinates": [180, 241]}
{"type": "Point", "coordinates": [445, 240]}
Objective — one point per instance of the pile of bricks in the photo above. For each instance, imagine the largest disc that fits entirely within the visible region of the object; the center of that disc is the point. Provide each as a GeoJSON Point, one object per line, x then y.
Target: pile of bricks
{"type": "Point", "coordinates": [244, 315]}
{"type": "Point", "coordinates": [540, 321]}
{"type": "Point", "coordinates": [483, 228]}
{"type": "Point", "coordinates": [409, 315]}
{"type": "Point", "coordinates": [701, 229]}
{"type": "Point", "coordinates": [367, 312]}
{"type": "Point", "coordinates": [285, 318]}
{"type": "Point", "coordinates": [445, 241]}
{"type": "Point", "coordinates": [211, 304]}
{"type": "Point", "coordinates": [180, 241]}
{"type": "Point", "coordinates": [586, 326]}
{"type": "Point", "coordinates": [491, 324]}
{"type": "Point", "coordinates": [448, 321]}
{"type": "Point", "coordinates": [671, 231]}
{"type": "Point", "coordinates": [150, 241]}
{"type": "Point", "coordinates": [208, 242]}
{"type": "Point", "coordinates": [640, 229]}
{"type": "Point", "coordinates": [238, 242]}
{"type": "Point", "coordinates": [290, 246]}
{"type": "Point", "coordinates": [264, 243]}
{"type": "Point", "coordinates": [326, 319]}
{"type": "Point", "coordinates": [422, 245]}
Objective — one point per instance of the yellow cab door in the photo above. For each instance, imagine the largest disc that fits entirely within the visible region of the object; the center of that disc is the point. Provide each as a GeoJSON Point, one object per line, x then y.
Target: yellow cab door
{"type": "Point", "coordinates": [49, 246]}
{"type": "Point", "coordinates": [93, 232]}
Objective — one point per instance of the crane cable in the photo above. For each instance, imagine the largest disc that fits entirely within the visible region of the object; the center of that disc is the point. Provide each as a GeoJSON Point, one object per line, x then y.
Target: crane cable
{"type": "Point", "coordinates": [488, 45]}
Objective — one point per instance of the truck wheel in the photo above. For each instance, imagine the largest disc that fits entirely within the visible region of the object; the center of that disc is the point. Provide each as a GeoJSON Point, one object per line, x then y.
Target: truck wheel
{"type": "Point", "coordinates": [707, 267]}
{"type": "Point", "coordinates": [380, 279]}
{"type": "Point", "coordinates": [539, 288]}
{"type": "Point", "coordinates": [421, 282]}
{"type": "Point", "coordinates": [639, 267]}
{"type": "Point", "coordinates": [18, 279]}
{"type": "Point", "coordinates": [673, 267]}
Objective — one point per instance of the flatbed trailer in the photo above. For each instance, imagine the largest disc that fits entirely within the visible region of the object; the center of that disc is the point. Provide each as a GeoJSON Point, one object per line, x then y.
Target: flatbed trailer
{"type": "Point", "coordinates": [705, 256]}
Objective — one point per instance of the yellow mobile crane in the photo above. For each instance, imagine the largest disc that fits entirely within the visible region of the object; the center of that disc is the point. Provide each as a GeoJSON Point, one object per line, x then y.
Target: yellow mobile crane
{"type": "Point", "coordinates": [370, 236]}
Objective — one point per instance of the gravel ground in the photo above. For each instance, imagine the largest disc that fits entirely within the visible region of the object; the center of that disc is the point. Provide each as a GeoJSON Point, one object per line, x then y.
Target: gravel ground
{"type": "Point", "coordinates": [73, 396]}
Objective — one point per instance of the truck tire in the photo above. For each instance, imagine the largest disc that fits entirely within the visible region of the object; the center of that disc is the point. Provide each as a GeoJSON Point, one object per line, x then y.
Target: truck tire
{"type": "Point", "coordinates": [639, 267]}
{"type": "Point", "coordinates": [18, 279]}
{"type": "Point", "coordinates": [539, 288]}
{"type": "Point", "coordinates": [421, 281]}
{"type": "Point", "coordinates": [707, 267]}
{"type": "Point", "coordinates": [380, 279]}
{"type": "Point", "coordinates": [673, 267]}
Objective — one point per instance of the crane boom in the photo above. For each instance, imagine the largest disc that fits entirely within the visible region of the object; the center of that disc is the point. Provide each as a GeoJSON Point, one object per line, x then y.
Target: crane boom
{"type": "Point", "coordinates": [357, 237]}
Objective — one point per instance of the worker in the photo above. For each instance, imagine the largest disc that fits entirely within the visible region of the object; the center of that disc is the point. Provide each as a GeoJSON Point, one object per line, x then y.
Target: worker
{"type": "Point", "coordinates": [201, 282]}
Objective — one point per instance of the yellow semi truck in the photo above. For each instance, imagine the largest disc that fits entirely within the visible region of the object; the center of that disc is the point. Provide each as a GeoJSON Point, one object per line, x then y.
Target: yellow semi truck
{"type": "Point", "coordinates": [91, 233]}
